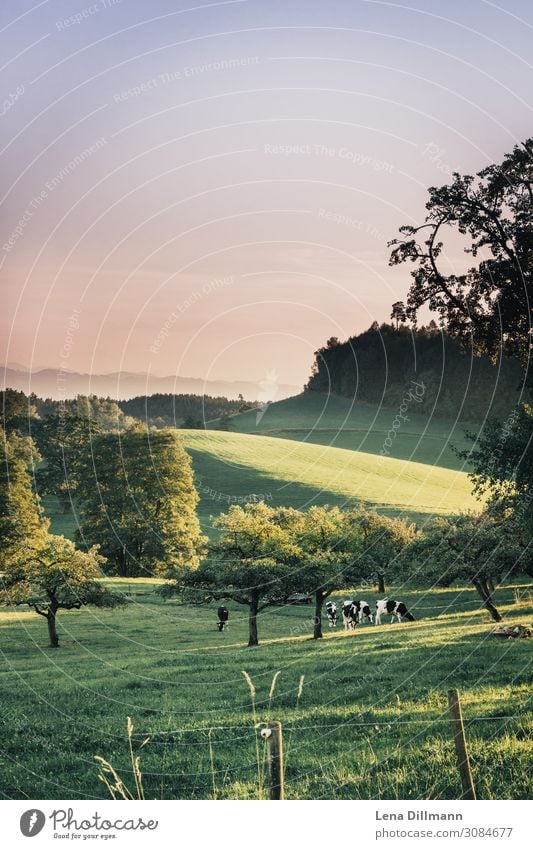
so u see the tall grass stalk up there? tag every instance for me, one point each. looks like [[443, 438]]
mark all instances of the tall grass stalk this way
[[300, 690], [272, 690], [112, 780], [251, 688]]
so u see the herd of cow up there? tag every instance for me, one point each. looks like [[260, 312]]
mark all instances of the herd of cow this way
[[356, 612], [353, 613]]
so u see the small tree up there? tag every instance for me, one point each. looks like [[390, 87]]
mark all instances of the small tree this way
[[474, 548], [253, 563], [17, 411], [56, 577], [328, 557], [398, 314], [502, 466], [381, 540]]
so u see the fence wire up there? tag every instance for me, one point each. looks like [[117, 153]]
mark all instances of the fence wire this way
[[389, 724]]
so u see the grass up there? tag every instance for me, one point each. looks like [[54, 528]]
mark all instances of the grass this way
[[230, 467], [315, 449], [331, 420], [370, 721]]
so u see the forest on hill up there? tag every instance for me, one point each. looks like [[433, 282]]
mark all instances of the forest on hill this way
[[191, 411], [378, 365], [161, 410]]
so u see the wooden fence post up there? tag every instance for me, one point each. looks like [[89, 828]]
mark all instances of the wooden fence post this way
[[274, 741], [463, 763]]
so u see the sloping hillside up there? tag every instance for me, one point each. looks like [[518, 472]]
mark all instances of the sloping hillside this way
[[232, 468], [332, 420]]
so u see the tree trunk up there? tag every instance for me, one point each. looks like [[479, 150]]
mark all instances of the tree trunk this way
[[253, 639], [52, 632], [490, 585], [484, 592], [319, 601], [381, 582]]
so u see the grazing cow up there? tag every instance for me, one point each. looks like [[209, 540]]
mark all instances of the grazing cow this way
[[331, 610], [349, 616], [393, 608], [223, 616], [353, 613]]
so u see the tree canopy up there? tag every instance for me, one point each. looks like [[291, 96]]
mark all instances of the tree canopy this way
[[376, 367], [327, 560], [380, 539], [22, 524], [254, 561], [477, 548], [502, 465], [489, 305], [265, 554], [138, 501], [63, 438], [56, 576]]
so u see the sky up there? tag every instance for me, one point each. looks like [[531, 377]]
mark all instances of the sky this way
[[208, 188]]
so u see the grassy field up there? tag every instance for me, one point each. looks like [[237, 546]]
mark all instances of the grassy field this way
[[331, 420], [371, 721], [315, 449], [229, 467]]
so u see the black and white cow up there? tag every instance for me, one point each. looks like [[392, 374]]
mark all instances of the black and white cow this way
[[223, 616], [331, 610], [354, 612], [393, 608]]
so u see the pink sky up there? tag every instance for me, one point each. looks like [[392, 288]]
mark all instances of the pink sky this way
[[211, 193]]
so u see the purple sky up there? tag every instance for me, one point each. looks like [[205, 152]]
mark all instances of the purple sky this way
[[209, 192]]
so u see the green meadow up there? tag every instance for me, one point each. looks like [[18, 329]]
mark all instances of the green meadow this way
[[231, 467], [371, 720], [318, 449], [331, 420]]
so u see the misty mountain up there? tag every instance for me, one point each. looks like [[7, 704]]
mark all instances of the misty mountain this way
[[52, 383]]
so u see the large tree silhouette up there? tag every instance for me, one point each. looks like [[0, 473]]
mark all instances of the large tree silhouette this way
[[490, 304]]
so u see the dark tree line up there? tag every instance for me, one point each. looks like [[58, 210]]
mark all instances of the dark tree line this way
[[190, 411], [159, 410], [377, 365]]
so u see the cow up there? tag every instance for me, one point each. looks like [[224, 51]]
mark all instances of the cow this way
[[223, 616], [353, 613], [393, 608], [331, 610]]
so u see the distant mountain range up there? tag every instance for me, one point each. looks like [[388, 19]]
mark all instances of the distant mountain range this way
[[51, 383]]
